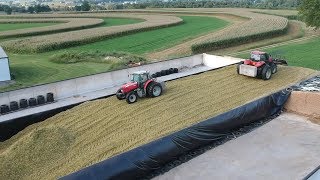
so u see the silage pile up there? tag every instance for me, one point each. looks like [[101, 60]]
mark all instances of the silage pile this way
[[100, 129]]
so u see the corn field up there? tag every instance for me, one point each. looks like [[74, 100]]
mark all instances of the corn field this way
[[260, 26], [67, 24], [66, 39], [97, 130]]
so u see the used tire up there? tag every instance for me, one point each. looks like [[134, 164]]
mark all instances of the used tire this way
[[171, 70], [41, 99], [131, 97], [158, 74], [154, 89], [50, 97], [153, 75], [120, 95], [23, 103], [175, 70], [163, 72], [32, 102], [266, 72], [274, 68], [4, 109], [167, 72], [14, 106]]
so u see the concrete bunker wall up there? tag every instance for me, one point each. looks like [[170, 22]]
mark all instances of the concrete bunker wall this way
[[77, 86]]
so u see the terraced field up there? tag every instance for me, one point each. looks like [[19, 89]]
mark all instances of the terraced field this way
[[8, 27], [100, 129]]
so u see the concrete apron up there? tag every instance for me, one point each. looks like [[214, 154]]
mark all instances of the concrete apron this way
[[76, 94], [284, 148]]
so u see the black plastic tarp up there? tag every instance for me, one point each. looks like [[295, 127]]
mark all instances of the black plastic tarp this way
[[140, 161]]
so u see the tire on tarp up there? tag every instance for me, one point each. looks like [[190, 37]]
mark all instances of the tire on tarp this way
[[139, 162]]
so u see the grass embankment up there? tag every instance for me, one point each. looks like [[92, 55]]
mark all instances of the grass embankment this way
[[37, 68], [97, 130], [14, 26], [303, 54]]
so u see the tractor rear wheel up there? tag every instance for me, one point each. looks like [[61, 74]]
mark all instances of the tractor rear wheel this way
[[131, 97], [266, 72], [154, 89], [120, 95], [274, 68]]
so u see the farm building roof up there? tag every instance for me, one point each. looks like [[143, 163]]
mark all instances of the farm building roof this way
[[2, 53]]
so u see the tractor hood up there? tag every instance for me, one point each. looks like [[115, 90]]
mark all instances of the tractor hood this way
[[129, 87]]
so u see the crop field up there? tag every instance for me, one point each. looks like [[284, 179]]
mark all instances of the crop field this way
[[303, 54], [68, 39], [30, 69], [97, 130], [13, 26]]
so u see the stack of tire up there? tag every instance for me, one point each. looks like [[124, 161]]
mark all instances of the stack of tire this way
[[165, 72], [25, 103]]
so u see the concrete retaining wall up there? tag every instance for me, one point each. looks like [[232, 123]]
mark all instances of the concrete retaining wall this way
[[81, 85], [305, 103]]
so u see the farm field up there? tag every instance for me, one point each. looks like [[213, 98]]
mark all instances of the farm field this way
[[97, 130], [119, 21], [31, 69], [303, 54], [13, 26]]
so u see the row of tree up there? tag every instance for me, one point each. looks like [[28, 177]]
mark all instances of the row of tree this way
[[31, 9]]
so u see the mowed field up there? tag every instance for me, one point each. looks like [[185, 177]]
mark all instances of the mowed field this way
[[97, 130], [13, 26], [31, 69], [304, 53]]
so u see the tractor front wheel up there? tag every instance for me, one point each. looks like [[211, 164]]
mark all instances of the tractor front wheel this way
[[120, 95], [131, 97], [274, 68], [266, 72], [154, 89]]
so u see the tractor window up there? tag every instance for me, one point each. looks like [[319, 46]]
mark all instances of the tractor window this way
[[135, 78], [262, 57], [144, 77]]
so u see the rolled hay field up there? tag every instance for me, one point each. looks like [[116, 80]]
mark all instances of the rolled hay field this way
[[67, 39], [66, 24], [100, 129]]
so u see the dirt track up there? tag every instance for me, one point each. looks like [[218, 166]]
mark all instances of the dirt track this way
[[100, 129]]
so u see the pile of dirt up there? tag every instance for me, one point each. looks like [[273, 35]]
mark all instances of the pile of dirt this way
[[97, 130]]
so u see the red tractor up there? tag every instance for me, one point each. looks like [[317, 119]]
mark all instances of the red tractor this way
[[260, 65], [141, 85]]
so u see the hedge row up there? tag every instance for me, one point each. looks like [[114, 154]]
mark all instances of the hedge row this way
[[220, 44]]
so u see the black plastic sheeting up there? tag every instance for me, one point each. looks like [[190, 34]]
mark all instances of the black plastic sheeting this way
[[11, 127], [139, 162]]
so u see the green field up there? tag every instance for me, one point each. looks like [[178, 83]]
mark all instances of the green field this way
[[149, 41], [37, 69], [14, 26], [304, 54]]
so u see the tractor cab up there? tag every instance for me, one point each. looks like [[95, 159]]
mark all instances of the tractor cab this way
[[259, 56], [140, 77]]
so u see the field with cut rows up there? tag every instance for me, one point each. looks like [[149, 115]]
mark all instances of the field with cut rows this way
[[13, 26], [32, 69], [97, 130], [153, 33]]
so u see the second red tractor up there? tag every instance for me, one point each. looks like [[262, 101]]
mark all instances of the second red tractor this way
[[260, 65]]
